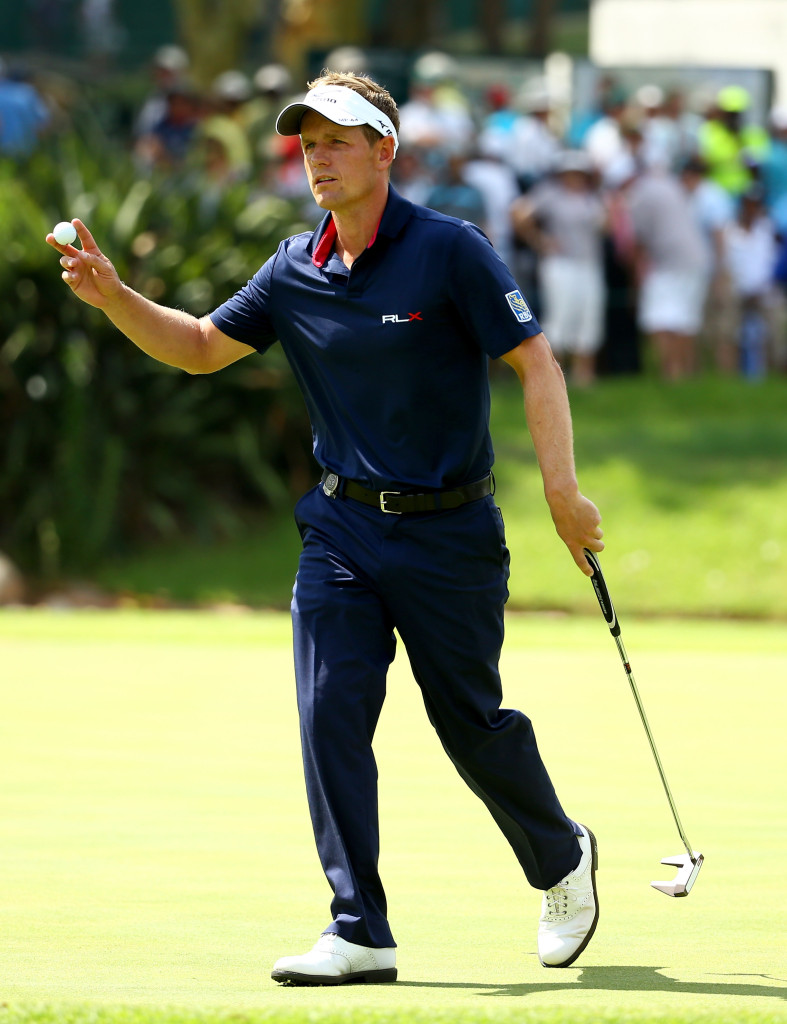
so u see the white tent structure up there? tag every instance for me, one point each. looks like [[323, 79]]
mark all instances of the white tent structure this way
[[694, 33]]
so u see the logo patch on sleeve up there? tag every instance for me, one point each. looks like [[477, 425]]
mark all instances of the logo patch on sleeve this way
[[519, 307]]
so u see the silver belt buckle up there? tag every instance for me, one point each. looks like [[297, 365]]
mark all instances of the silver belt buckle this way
[[384, 495], [331, 485]]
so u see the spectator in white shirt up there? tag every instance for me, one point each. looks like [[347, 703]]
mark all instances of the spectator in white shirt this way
[[714, 210], [563, 219], [751, 251], [671, 268]]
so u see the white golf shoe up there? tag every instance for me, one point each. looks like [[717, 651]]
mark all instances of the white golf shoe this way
[[334, 961], [569, 910]]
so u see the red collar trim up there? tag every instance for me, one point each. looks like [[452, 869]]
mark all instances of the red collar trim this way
[[324, 247], [326, 244], [373, 239]]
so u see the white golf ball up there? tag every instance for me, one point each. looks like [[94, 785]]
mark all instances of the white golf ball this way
[[65, 233]]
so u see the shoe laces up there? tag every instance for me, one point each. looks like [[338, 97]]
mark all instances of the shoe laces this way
[[557, 900]]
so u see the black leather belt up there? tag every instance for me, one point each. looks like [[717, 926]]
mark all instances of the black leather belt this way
[[401, 502]]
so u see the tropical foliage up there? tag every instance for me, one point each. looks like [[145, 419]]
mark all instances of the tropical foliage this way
[[101, 447]]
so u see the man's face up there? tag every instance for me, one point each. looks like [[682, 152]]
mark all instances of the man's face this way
[[342, 167]]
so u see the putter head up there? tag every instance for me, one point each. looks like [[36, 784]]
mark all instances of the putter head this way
[[688, 869]]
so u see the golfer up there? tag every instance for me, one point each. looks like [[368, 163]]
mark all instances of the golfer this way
[[388, 313]]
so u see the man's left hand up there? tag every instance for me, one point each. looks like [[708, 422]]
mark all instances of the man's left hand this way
[[578, 524]]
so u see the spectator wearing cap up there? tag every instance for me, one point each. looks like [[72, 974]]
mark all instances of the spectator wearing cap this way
[[498, 185], [518, 131], [23, 114], [773, 172], [272, 85], [499, 115], [730, 146], [587, 110], [535, 143], [751, 252], [604, 141], [169, 142], [563, 219], [224, 130], [684, 125], [496, 131], [670, 267], [663, 137], [168, 69], [714, 209], [436, 117]]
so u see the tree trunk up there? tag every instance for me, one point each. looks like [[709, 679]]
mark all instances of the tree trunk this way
[[491, 15], [271, 27], [541, 29], [411, 24], [214, 32]]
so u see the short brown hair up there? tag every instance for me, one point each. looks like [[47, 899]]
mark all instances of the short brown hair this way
[[369, 89]]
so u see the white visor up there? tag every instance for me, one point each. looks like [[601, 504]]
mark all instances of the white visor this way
[[339, 104]]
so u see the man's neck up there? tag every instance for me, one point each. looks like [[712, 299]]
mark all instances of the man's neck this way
[[356, 229]]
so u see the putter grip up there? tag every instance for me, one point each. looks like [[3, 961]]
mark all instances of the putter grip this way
[[604, 600]]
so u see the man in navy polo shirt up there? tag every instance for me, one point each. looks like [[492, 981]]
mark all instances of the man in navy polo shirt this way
[[388, 314]]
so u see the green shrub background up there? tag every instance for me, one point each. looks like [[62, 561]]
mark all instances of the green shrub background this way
[[103, 448]]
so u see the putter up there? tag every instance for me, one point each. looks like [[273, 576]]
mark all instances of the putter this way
[[688, 864]]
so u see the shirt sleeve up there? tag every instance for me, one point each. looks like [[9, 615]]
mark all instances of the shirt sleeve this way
[[245, 317], [486, 295]]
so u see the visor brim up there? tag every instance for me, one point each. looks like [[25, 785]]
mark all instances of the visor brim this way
[[289, 120]]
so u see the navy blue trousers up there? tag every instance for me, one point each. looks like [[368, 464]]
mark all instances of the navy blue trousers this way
[[441, 580]]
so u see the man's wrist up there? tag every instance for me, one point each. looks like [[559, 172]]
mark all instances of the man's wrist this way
[[118, 303], [563, 492]]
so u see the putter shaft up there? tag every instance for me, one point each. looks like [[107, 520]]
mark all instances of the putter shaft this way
[[651, 741], [608, 610]]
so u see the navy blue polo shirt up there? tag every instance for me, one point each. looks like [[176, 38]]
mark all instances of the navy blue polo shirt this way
[[391, 354]]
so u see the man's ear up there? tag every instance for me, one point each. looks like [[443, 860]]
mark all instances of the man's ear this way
[[386, 153]]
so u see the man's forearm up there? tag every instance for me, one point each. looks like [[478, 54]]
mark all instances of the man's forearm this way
[[549, 422], [576, 519], [169, 335]]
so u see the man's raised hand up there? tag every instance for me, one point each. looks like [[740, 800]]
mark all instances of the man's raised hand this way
[[87, 271]]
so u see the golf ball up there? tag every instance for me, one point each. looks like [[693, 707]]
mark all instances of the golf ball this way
[[65, 233]]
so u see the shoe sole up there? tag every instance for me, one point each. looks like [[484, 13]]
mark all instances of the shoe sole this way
[[356, 977], [591, 930]]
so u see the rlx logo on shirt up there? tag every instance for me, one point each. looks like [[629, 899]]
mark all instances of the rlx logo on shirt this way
[[394, 318]]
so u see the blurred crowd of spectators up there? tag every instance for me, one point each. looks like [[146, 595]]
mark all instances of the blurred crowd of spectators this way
[[641, 231]]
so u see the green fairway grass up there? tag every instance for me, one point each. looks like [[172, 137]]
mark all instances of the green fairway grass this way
[[156, 855], [690, 480]]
